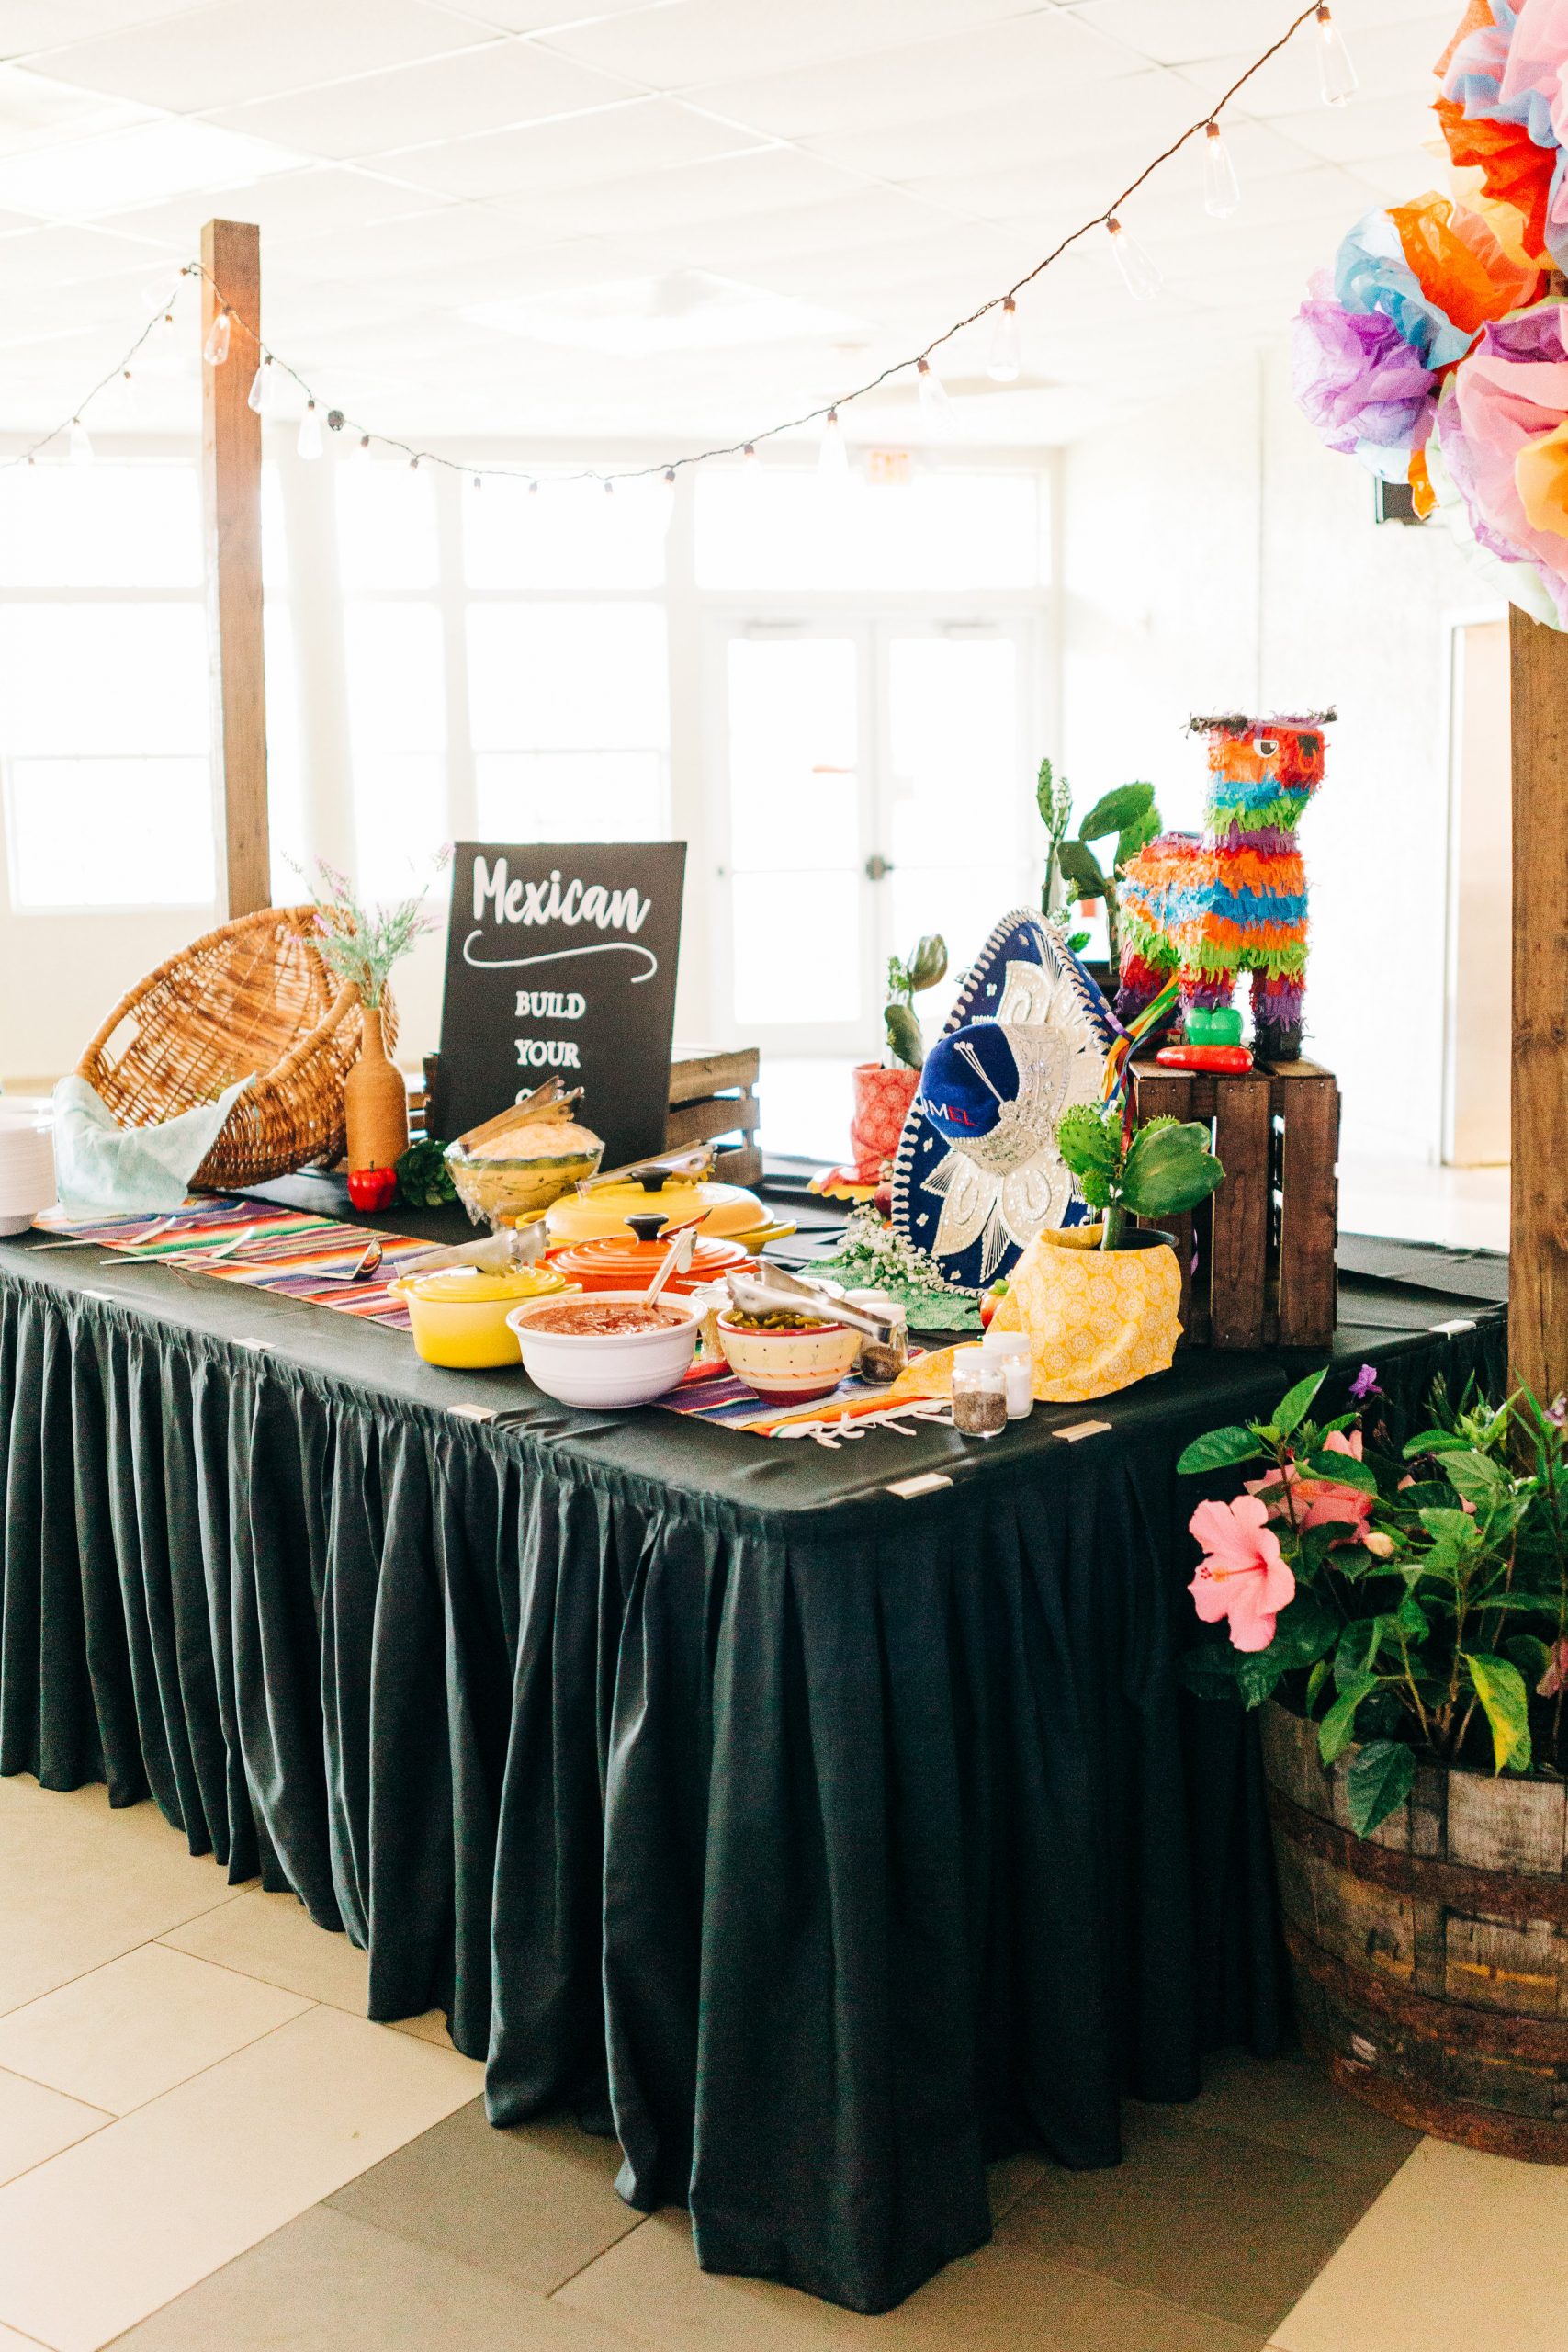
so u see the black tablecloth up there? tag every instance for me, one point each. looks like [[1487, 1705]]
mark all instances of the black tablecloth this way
[[821, 1842]]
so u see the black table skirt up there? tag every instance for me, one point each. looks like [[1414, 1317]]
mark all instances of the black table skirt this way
[[821, 1850]]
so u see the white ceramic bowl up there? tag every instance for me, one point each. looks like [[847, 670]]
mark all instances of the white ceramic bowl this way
[[604, 1370], [26, 1167]]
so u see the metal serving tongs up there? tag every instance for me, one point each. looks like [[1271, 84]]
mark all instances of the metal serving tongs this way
[[665, 1167], [773, 1292]]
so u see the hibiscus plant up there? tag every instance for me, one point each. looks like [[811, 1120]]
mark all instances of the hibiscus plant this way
[[1412, 1599]]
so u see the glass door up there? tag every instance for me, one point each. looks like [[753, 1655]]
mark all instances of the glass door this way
[[874, 782]]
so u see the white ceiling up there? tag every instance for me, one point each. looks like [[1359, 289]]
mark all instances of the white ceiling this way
[[450, 196]]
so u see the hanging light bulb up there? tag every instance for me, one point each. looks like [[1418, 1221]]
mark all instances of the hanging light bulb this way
[[215, 350], [311, 444], [477, 482], [1222, 189], [1336, 74], [259, 397], [1006, 356], [663, 494], [166, 328], [81, 446], [160, 293], [935, 406], [414, 464], [361, 450], [1142, 280], [750, 463], [833, 456]]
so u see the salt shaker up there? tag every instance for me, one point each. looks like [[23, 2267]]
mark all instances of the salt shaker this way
[[1013, 1351], [979, 1394], [883, 1360]]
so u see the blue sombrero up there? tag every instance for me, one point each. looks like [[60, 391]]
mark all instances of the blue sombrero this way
[[977, 1173]]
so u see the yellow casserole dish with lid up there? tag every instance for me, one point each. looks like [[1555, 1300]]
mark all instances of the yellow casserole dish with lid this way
[[459, 1312], [729, 1213]]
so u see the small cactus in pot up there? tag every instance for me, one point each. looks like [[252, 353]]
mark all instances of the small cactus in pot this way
[[906, 978]]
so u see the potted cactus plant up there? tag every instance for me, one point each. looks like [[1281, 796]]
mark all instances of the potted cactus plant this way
[[883, 1090]]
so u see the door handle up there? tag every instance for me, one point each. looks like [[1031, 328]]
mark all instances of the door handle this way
[[878, 867]]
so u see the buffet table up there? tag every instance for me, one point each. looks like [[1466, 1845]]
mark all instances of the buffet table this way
[[823, 1823]]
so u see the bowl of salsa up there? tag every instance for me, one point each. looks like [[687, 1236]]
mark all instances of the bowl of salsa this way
[[606, 1349]]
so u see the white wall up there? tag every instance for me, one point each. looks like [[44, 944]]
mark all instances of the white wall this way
[[1215, 556]]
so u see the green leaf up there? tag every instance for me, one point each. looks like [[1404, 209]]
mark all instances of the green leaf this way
[[1218, 1450], [1337, 1728], [928, 962], [1344, 1469], [1531, 1655], [1258, 1674], [1500, 1687], [1431, 1441], [1475, 1478], [1315, 1681], [1079, 865], [1170, 1169], [1076, 942], [1115, 811], [1378, 1782], [1133, 837], [1357, 1654], [1294, 1404], [1305, 1630], [1428, 1494]]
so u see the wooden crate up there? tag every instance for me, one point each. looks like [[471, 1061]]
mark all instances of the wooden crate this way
[[713, 1099], [1258, 1259]]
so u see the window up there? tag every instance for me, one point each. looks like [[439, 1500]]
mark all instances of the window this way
[[950, 531], [569, 710], [564, 535], [396, 720]]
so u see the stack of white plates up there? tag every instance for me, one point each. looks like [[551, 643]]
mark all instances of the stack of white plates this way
[[27, 1164]]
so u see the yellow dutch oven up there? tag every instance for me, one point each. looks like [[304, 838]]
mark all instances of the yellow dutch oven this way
[[459, 1312], [729, 1213]]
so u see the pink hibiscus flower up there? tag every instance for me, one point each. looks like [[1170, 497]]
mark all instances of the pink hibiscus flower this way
[[1242, 1575], [1314, 1501]]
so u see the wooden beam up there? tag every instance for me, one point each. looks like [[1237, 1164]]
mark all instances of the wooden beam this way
[[1538, 1248], [230, 481]]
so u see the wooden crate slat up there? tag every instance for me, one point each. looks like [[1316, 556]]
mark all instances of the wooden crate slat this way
[[718, 1115], [1309, 1210], [1167, 1094], [1237, 1302], [697, 1070], [741, 1166]]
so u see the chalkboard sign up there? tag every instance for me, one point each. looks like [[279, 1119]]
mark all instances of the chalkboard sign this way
[[560, 959]]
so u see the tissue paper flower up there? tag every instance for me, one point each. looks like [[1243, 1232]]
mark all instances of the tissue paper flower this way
[[1459, 263], [1511, 396], [1371, 277], [1242, 1575], [1514, 170], [1359, 384]]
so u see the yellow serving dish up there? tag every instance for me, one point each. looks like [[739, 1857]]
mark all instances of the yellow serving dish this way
[[728, 1212], [459, 1312]]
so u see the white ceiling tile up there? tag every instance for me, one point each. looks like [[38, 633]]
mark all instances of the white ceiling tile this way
[[38, 111], [731, 187], [445, 236], [1150, 109], [1045, 60], [29, 25], [1373, 126], [88, 179], [534, 15], [237, 50], [868, 216], [708, 41], [1380, 179], [640, 135], [317, 201], [447, 98], [59, 256], [1390, 60], [1173, 32]]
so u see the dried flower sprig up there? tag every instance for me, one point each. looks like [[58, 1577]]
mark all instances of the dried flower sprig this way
[[361, 944]]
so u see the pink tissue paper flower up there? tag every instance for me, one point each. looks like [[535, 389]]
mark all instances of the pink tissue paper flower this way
[[1242, 1575]]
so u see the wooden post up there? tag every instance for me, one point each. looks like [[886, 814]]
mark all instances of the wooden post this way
[[1538, 1244], [230, 481]]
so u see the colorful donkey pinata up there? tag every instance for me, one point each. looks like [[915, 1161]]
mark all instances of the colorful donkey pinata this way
[[1232, 898]]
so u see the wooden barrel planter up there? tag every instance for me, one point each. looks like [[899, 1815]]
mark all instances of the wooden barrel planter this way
[[1430, 1961]]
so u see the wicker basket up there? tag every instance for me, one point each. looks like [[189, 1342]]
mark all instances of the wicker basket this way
[[251, 998]]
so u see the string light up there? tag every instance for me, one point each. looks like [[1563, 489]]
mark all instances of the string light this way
[[1142, 280], [1336, 74], [1338, 83], [1006, 356], [833, 456], [1222, 189], [311, 445], [362, 449], [935, 406], [80, 444], [259, 397]]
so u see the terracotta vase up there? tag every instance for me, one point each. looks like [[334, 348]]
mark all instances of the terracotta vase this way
[[376, 1102], [883, 1096]]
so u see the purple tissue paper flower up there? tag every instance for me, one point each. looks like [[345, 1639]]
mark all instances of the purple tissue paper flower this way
[[1357, 381], [1365, 1385]]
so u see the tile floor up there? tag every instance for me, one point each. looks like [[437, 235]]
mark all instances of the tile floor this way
[[205, 2147]]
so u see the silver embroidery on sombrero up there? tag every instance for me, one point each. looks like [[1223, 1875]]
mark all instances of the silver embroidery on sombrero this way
[[1002, 1187]]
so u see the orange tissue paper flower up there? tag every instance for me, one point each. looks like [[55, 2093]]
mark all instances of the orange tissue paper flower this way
[[1513, 168], [1459, 263], [1423, 496]]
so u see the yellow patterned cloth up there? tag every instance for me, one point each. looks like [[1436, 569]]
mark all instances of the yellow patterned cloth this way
[[1096, 1319]]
